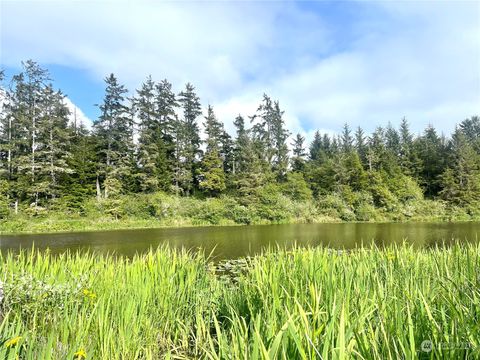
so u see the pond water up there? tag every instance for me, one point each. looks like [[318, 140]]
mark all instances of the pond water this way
[[228, 242]]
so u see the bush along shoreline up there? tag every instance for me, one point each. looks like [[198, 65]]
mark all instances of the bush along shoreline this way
[[397, 302], [273, 206]]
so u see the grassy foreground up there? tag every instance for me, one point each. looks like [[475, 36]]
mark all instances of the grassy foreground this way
[[301, 304]]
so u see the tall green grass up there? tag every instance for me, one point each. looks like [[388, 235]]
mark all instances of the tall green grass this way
[[302, 304]]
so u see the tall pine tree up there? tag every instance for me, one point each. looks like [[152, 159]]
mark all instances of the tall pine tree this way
[[212, 176], [114, 132], [188, 140], [299, 153]]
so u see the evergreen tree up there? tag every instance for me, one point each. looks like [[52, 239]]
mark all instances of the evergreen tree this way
[[26, 107], [80, 183], [346, 139], [12, 133], [431, 151], [271, 136], [392, 140], [299, 153], [144, 104], [471, 128], [329, 146], [361, 145], [212, 176], [166, 104], [406, 137], [321, 177], [114, 132], [248, 175], [242, 142], [461, 181], [392, 151], [53, 145], [349, 171], [408, 157], [315, 147], [376, 150], [281, 134], [227, 155], [154, 107], [250, 180], [188, 140], [262, 130], [333, 146]]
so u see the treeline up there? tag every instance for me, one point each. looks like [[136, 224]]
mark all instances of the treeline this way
[[151, 142]]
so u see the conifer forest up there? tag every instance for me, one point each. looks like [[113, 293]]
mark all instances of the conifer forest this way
[[163, 142]]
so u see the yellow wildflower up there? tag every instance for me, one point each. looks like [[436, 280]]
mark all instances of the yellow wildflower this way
[[13, 341], [80, 354], [89, 294], [391, 256]]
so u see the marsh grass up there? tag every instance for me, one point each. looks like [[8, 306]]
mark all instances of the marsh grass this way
[[302, 304]]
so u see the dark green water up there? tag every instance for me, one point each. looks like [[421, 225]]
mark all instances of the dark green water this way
[[236, 241]]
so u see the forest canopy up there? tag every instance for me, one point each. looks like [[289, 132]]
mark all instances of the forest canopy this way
[[151, 143]]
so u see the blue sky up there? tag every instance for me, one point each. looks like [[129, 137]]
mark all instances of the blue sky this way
[[365, 63]]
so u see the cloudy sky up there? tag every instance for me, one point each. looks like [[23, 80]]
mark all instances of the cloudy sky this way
[[365, 63]]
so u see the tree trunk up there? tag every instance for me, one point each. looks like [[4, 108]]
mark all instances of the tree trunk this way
[[33, 150], [9, 156], [99, 192], [34, 135], [75, 120], [52, 168]]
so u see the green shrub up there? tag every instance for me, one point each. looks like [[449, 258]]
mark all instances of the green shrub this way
[[404, 188], [381, 194], [334, 206], [240, 214], [457, 213], [429, 209], [71, 204], [364, 208], [139, 206], [348, 195], [113, 208], [305, 211], [473, 209], [211, 211], [296, 188], [36, 211], [4, 207], [272, 205]]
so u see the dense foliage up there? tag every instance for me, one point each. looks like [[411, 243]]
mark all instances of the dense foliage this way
[[396, 303], [151, 143]]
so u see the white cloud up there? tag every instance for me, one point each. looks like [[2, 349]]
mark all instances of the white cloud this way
[[76, 114], [429, 73], [417, 59]]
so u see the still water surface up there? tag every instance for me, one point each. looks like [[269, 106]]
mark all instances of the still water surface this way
[[229, 242]]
